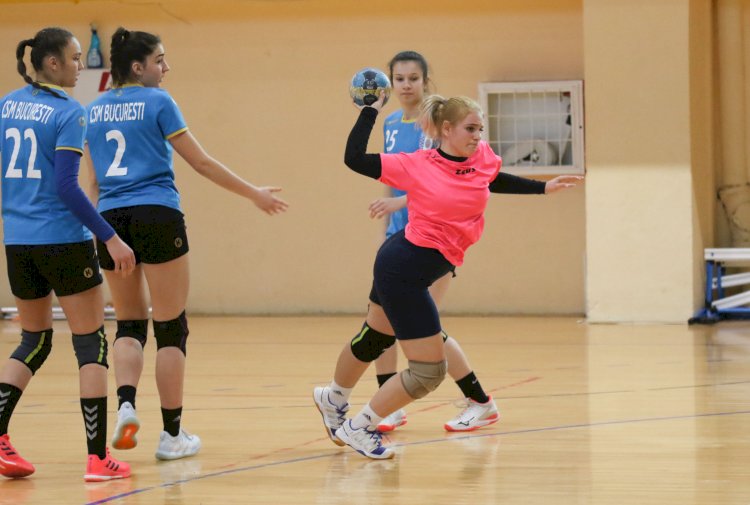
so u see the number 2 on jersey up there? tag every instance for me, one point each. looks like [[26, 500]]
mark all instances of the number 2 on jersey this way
[[115, 170]]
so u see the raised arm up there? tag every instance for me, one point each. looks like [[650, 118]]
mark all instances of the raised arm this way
[[356, 156]]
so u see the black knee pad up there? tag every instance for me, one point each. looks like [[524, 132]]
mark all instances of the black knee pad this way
[[172, 333], [34, 348], [136, 328], [369, 344], [91, 348]]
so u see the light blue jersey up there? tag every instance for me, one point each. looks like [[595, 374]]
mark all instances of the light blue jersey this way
[[128, 136], [400, 137], [33, 125]]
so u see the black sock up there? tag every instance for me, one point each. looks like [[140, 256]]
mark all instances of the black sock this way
[[171, 419], [95, 418], [125, 394], [9, 396], [471, 388], [383, 378]]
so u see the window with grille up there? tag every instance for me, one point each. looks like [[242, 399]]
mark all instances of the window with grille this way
[[537, 127]]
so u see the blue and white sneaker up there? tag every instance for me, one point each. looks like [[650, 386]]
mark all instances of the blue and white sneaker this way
[[333, 415], [367, 443]]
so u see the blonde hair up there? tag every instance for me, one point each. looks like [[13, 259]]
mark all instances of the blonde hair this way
[[436, 109]]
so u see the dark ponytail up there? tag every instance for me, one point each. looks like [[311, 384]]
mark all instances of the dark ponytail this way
[[49, 41], [126, 48]]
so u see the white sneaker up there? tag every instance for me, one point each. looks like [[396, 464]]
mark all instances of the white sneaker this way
[[333, 415], [367, 443], [392, 421], [181, 446], [126, 428], [474, 416]]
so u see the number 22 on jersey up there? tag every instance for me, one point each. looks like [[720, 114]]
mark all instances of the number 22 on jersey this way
[[16, 173]]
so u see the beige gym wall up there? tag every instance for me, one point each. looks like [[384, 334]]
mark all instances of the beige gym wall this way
[[649, 157], [263, 86]]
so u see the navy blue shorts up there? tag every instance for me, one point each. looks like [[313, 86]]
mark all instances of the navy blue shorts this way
[[402, 274]]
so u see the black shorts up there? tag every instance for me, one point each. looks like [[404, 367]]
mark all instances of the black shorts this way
[[156, 234], [35, 270], [402, 274]]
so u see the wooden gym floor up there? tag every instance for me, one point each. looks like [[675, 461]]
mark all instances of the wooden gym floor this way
[[590, 414]]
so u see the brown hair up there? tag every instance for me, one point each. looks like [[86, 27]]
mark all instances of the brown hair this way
[[48, 41]]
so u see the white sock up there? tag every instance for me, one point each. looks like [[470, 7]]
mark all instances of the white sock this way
[[339, 395], [367, 418]]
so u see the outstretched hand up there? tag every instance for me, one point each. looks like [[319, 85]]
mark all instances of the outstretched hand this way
[[562, 182], [266, 201]]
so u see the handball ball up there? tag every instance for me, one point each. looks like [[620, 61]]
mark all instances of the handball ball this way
[[367, 84]]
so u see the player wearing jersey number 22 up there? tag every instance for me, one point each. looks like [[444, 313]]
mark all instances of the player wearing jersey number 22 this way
[[48, 248]]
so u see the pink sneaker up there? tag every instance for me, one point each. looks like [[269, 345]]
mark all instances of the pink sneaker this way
[[12, 465], [98, 470]]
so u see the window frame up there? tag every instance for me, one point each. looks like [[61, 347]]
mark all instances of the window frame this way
[[573, 88]]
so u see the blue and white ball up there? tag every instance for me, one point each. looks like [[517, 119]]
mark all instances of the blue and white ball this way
[[367, 84]]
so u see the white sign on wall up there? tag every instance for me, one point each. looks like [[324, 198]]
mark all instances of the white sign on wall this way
[[91, 83]]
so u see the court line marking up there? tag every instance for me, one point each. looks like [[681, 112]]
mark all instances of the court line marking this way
[[228, 471], [422, 442]]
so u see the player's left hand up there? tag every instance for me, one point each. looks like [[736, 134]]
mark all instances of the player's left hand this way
[[266, 201], [562, 182]]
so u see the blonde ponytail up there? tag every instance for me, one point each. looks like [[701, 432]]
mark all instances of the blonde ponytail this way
[[435, 110]]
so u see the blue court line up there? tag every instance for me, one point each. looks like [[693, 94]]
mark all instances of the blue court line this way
[[445, 439]]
